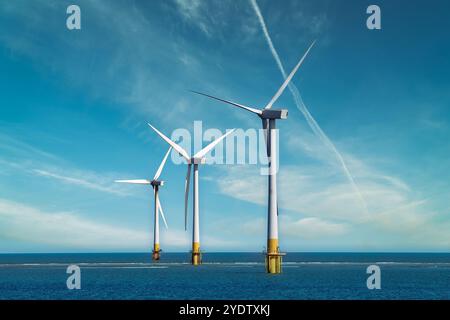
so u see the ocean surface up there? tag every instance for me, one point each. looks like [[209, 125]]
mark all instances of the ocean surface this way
[[225, 276]]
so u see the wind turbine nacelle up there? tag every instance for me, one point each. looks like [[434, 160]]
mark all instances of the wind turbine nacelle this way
[[157, 183], [274, 114], [198, 160]]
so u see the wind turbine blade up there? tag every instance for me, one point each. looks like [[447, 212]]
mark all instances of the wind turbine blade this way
[[161, 212], [257, 111], [179, 149], [288, 79], [161, 166], [210, 146], [186, 195], [135, 181]]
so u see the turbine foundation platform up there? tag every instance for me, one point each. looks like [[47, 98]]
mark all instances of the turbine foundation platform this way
[[274, 262], [156, 253], [273, 257], [196, 254]]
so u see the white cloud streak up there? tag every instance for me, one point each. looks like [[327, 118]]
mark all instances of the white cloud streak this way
[[21, 157], [65, 230], [68, 230], [328, 209], [191, 11], [304, 228], [10, 145], [310, 228], [94, 184]]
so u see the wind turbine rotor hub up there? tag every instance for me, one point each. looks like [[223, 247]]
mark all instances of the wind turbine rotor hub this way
[[157, 183]]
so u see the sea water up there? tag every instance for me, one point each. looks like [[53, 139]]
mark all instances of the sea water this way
[[225, 276]]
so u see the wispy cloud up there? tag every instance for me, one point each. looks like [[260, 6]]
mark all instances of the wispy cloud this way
[[20, 149], [317, 188], [325, 205], [192, 11], [20, 157], [315, 24], [89, 181], [175, 238], [69, 230], [310, 228], [306, 190], [25, 223], [121, 33], [304, 228]]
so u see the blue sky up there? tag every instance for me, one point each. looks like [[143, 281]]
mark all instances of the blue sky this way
[[74, 107]]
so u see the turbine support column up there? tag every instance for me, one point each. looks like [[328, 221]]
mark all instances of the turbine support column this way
[[196, 253], [273, 255], [156, 250]]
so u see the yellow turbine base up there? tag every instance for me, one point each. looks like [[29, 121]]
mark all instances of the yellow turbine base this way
[[273, 257], [156, 252], [196, 254]]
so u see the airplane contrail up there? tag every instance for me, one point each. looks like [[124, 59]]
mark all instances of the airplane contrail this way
[[304, 110]]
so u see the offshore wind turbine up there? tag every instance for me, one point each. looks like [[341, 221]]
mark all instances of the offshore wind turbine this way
[[268, 117], [196, 159], [155, 183]]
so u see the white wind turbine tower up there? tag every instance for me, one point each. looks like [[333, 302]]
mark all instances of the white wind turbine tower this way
[[155, 183], [268, 117], [196, 159]]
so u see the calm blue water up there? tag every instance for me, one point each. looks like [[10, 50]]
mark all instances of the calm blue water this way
[[225, 276]]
